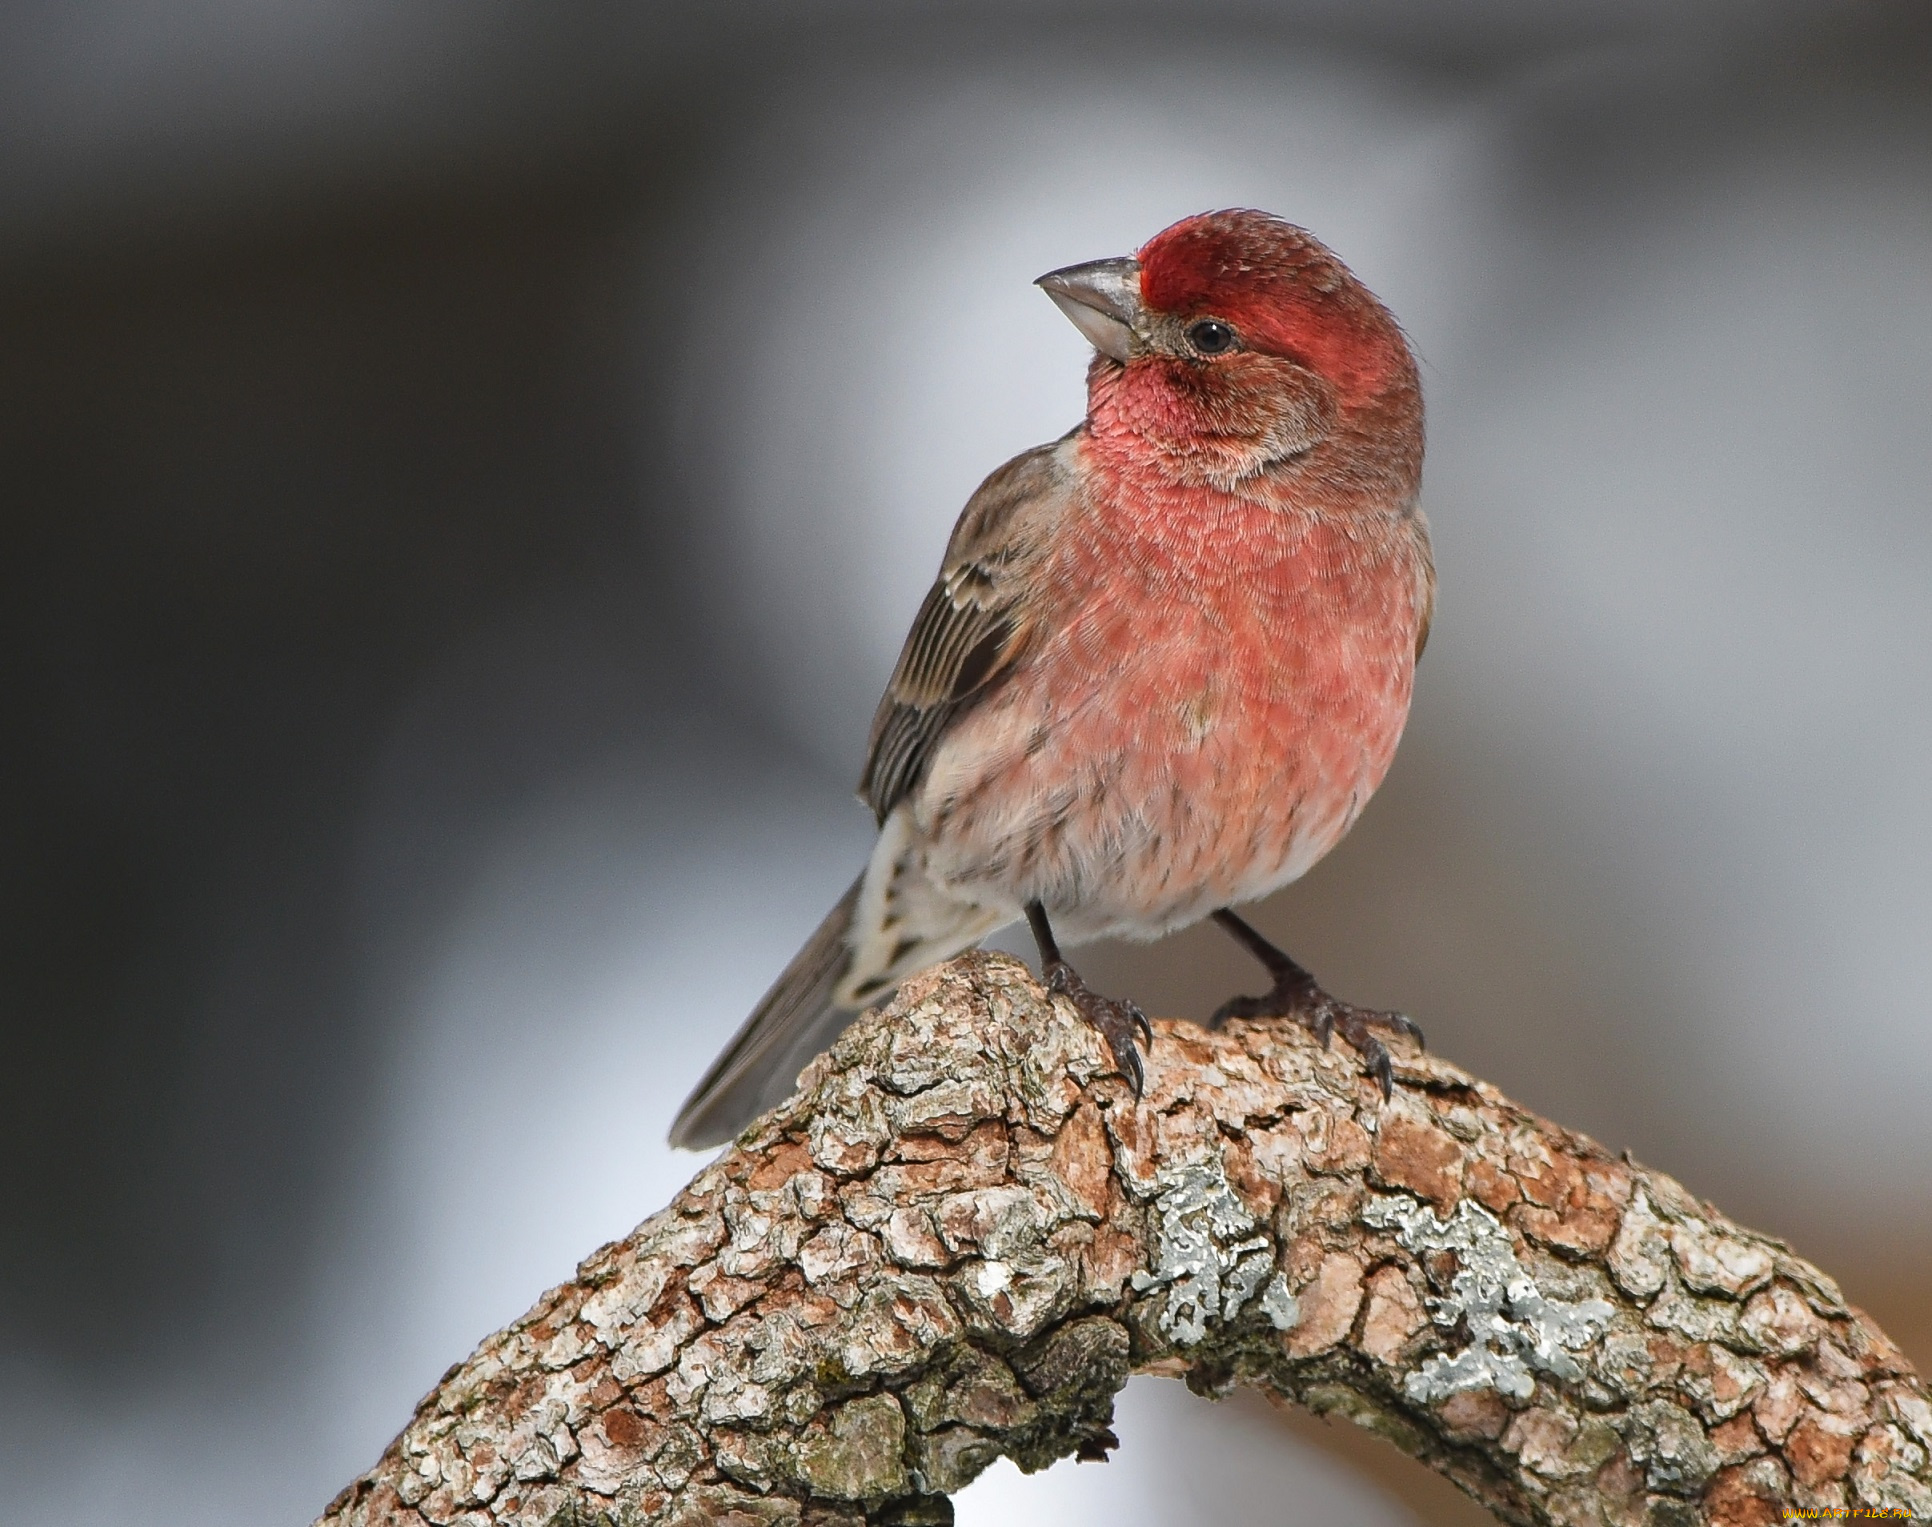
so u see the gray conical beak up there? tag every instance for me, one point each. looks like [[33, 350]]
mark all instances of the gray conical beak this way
[[1102, 297]]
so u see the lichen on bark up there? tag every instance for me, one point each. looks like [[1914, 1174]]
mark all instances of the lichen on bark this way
[[963, 1234]]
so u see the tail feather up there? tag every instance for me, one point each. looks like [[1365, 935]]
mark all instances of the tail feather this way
[[892, 923], [795, 1020]]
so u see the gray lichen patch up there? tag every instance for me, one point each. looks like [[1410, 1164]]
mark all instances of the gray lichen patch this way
[[1208, 1254], [1279, 1305], [1514, 1326]]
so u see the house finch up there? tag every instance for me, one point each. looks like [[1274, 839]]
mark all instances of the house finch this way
[[1165, 664]]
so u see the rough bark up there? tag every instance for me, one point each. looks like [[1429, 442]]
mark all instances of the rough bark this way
[[963, 1234]]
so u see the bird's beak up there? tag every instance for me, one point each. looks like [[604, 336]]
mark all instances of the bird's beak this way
[[1102, 297]]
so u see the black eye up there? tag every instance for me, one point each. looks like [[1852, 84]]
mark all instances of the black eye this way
[[1210, 337]]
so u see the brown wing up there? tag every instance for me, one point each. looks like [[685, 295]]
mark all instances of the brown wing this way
[[974, 622]]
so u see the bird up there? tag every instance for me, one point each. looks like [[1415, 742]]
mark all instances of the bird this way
[[1166, 661]]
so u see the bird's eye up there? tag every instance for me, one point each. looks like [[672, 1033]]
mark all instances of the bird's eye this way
[[1210, 337]]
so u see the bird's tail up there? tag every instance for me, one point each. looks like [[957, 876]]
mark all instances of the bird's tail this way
[[795, 1020], [894, 922]]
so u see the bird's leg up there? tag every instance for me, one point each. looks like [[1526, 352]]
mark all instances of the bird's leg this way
[[1117, 1020], [1297, 995]]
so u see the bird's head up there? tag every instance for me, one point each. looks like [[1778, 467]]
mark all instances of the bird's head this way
[[1234, 340]]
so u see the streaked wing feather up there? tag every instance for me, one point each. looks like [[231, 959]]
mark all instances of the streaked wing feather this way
[[952, 653], [970, 628]]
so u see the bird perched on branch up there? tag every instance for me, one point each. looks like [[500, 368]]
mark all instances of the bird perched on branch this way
[[1166, 662]]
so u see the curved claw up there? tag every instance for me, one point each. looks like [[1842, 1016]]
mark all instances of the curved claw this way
[[1375, 1056], [1355, 1026], [1402, 1023], [1117, 1021]]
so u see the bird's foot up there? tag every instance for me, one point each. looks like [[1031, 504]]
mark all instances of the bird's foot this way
[[1117, 1019], [1299, 998]]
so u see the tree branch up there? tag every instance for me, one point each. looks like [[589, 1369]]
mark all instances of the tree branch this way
[[963, 1235]]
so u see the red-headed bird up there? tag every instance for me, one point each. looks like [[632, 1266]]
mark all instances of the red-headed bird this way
[[1167, 659]]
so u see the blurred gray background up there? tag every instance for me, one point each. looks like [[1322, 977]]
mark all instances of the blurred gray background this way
[[466, 469]]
